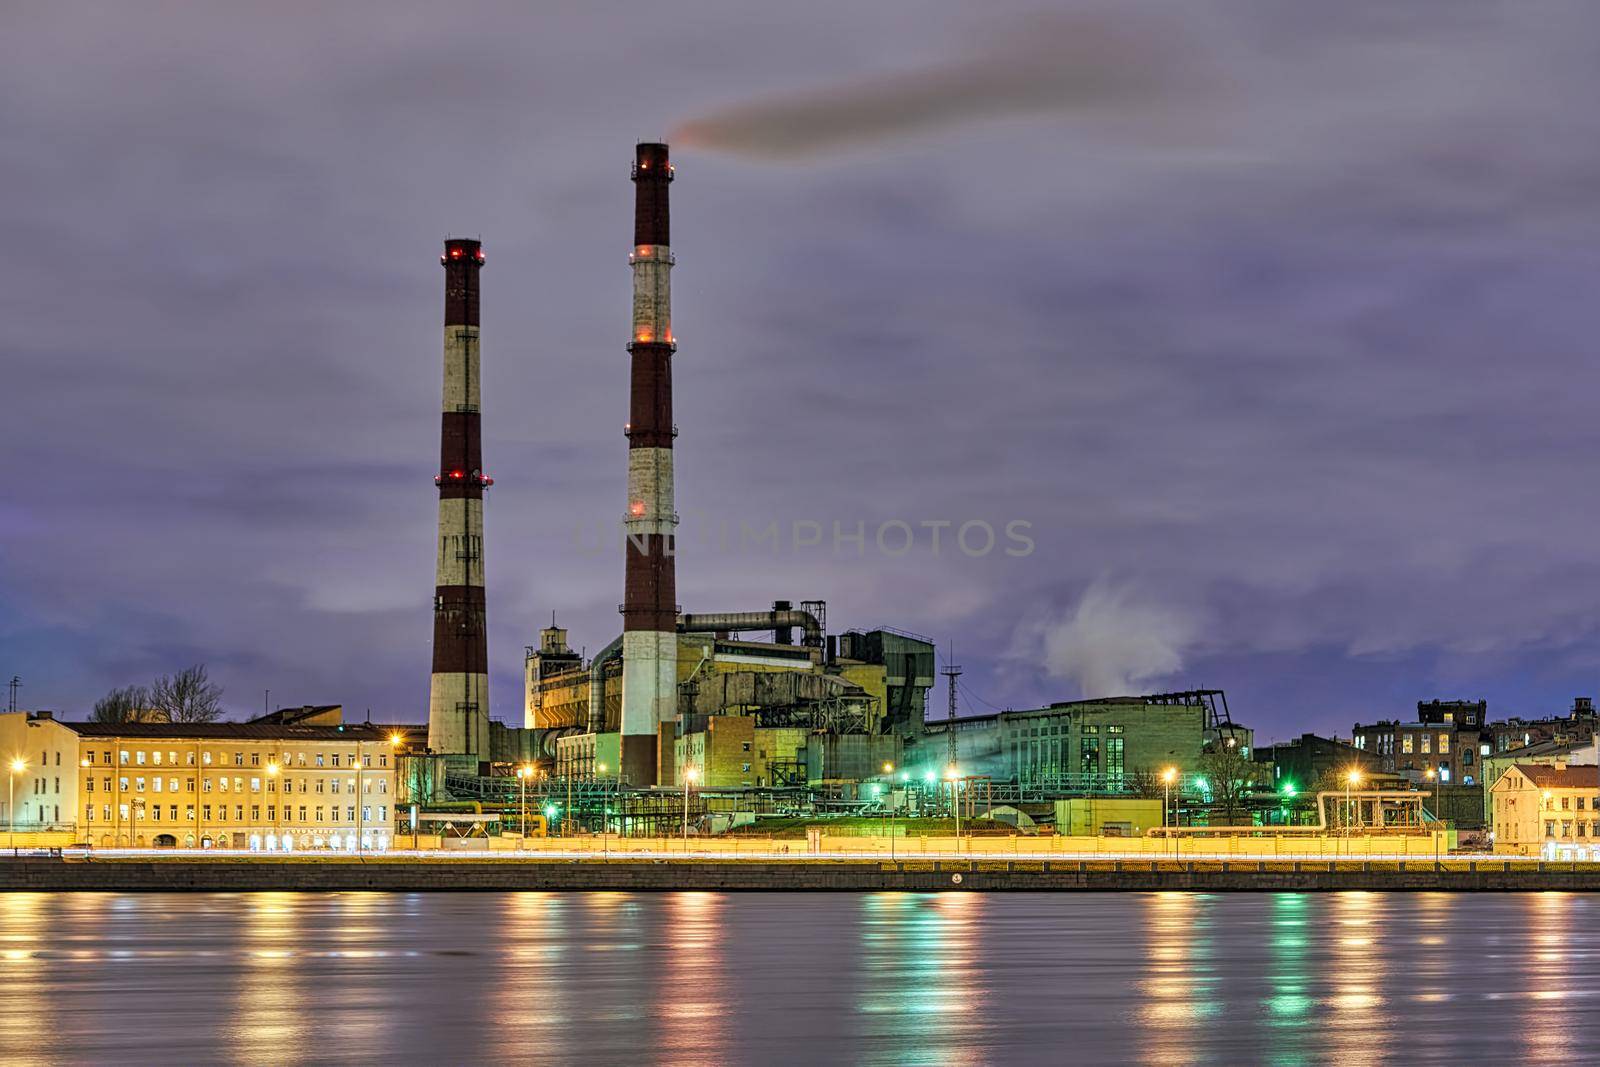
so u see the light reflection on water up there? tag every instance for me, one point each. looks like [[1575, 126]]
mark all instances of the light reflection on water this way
[[889, 978]]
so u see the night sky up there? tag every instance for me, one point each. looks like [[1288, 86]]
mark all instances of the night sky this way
[[1275, 321]]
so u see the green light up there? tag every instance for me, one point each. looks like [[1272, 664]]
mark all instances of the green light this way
[[877, 790], [550, 811], [931, 777], [1200, 783], [905, 776], [1288, 789]]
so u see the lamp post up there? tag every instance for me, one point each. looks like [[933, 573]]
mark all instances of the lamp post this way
[[361, 810], [18, 765], [1433, 778], [689, 777], [953, 775], [1352, 778], [272, 775], [524, 772], [888, 772], [88, 810], [1168, 776]]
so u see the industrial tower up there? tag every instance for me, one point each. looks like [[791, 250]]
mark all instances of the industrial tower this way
[[649, 609], [458, 701]]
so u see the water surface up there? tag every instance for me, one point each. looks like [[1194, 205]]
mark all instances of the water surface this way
[[883, 978]]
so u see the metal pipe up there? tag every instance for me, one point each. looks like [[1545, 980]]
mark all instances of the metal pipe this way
[[735, 621]]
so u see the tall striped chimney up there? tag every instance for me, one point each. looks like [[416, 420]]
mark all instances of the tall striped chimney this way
[[649, 609], [458, 702]]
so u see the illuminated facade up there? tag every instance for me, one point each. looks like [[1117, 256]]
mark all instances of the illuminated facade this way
[[1550, 811], [255, 785]]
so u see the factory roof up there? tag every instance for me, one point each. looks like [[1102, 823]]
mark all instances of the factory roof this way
[[222, 731]]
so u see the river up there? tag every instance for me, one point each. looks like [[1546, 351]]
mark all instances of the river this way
[[818, 978]]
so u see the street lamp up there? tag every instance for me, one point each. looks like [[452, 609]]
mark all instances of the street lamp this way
[[1433, 777], [953, 775], [1352, 777], [1168, 776], [524, 772], [88, 810], [690, 775], [361, 809], [272, 773], [18, 765]]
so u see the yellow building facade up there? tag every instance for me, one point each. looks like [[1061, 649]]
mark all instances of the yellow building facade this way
[[1550, 811], [265, 787]]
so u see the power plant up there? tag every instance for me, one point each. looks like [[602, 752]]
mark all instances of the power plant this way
[[727, 701]]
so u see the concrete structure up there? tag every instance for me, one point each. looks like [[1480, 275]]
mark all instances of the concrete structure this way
[[649, 608], [258, 785], [1107, 816], [733, 751], [458, 700], [1550, 811]]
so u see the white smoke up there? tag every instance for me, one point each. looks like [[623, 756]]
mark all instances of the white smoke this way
[[1112, 642]]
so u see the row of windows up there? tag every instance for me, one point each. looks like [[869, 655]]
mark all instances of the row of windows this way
[[153, 812], [138, 785], [139, 758], [1566, 829]]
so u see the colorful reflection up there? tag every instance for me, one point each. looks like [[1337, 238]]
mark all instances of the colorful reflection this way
[[1176, 996], [1288, 1012], [923, 985], [268, 1016], [693, 1000], [1357, 1016]]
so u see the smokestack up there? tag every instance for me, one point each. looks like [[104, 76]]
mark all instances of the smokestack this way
[[649, 609], [458, 702]]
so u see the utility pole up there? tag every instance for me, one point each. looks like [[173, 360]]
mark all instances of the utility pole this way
[[16, 681], [952, 671]]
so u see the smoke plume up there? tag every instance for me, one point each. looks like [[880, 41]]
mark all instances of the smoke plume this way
[[1050, 64], [1111, 643]]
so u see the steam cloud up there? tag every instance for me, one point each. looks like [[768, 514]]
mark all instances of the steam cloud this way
[[1111, 643], [1051, 64]]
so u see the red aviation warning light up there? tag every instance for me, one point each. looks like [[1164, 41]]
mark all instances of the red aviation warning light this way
[[636, 508]]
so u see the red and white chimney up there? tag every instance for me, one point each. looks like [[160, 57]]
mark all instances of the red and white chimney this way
[[458, 701], [649, 609]]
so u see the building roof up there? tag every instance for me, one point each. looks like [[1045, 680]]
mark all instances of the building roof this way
[[1543, 748], [1548, 776], [223, 731]]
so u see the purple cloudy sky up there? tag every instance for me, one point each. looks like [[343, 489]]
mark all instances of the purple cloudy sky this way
[[1274, 320]]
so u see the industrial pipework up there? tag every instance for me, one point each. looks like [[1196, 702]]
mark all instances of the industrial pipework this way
[[458, 698]]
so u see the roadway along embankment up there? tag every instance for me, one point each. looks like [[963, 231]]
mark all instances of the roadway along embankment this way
[[400, 874]]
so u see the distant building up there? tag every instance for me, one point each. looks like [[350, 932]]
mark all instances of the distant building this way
[[1444, 738], [1577, 726], [1551, 811], [1304, 761], [1080, 746]]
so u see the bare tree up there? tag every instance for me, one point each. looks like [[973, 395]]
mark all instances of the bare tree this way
[[188, 696], [122, 705], [1230, 776]]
